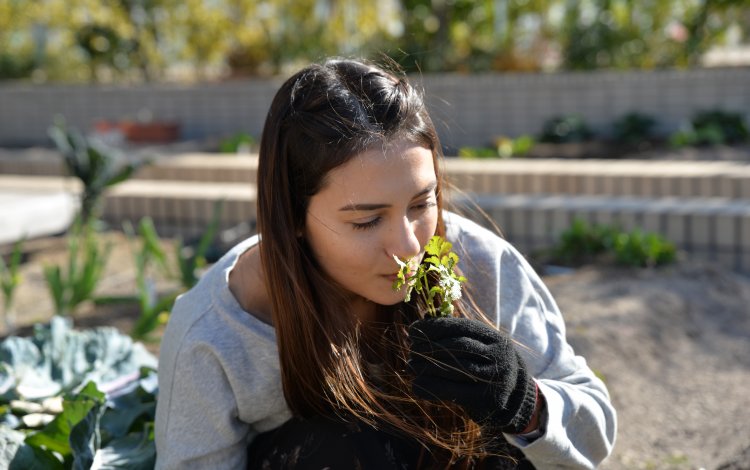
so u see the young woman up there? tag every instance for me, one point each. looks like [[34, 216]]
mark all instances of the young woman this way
[[294, 350]]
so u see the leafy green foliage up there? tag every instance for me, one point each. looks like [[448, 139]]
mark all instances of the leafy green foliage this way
[[108, 389], [434, 278], [75, 283], [154, 309], [518, 147], [97, 166], [713, 128], [9, 280], [477, 152], [504, 147], [640, 249], [583, 243], [422, 35], [236, 143], [191, 259], [15, 66], [183, 266], [633, 128], [563, 129], [58, 359]]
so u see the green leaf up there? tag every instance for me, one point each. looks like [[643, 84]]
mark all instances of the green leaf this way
[[59, 358], [56, 435], [85, 438], [131, 452], [127, 411], [434, 260], [29, 457], [152, 243]]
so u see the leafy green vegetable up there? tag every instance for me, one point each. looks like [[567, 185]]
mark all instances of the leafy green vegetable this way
[[433, 279], [58, 359], [110, 389]]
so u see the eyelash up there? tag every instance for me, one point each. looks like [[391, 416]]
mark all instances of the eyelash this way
[[372, 223]]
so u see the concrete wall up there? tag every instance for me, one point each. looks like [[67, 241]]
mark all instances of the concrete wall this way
[[468, 110]]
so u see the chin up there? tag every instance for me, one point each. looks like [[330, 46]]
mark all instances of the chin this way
[[395, 297]]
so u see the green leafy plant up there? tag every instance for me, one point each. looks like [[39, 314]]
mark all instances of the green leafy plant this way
[[97, 166], [9, 280], [76, 281], [477, 152], [504, 147], [633, 128], [69, 398], [239, 143], [564, 129], [154, 309], [433, 279], [712, 128], [640, 249], [581, 243], [584, 243], [190, 259]]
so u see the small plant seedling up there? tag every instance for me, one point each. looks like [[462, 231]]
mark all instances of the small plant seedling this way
[[444, 284]]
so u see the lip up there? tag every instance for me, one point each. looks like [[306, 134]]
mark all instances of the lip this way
[[393, 277]]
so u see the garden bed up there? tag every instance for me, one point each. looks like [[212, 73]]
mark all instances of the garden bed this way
[[672, 345]]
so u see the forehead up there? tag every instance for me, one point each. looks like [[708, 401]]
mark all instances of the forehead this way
[[396, 166]]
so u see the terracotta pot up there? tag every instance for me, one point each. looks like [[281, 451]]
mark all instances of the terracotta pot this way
[[150, 131]]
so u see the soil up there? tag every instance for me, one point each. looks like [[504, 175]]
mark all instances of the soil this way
[[672, 345]]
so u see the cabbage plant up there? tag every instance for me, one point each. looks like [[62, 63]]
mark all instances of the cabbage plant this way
[[74, 399]]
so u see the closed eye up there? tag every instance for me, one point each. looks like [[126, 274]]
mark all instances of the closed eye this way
[[366, 225], [424, 205]]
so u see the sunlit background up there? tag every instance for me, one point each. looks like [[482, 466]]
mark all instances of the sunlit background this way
[[186, 40]]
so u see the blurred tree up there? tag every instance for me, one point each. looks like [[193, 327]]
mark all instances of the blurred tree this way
[[644, 33], [130, 40], [706, 23]]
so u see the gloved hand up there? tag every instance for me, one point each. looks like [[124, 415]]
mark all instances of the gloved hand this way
[[474, 366]]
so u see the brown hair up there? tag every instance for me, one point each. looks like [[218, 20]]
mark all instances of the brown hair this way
[[320, 118]]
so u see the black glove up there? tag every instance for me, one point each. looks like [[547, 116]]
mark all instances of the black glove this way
[[474, 366]]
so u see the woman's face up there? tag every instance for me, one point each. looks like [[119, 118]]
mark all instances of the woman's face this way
[[379, 204]]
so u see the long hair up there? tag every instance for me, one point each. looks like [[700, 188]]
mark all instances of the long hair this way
[[319, 119]]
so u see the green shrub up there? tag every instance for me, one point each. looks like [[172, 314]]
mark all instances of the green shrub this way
[[15, 66], [584, 243], [235, 143], [504, 147], [75, 282], [518, 147], [712, 128], [640, 249], [97, 166], [633, 128], [565, 129], [477, 152]]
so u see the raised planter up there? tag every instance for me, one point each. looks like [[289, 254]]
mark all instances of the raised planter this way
[[133, 131]]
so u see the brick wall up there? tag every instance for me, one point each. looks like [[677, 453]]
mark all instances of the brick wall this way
[[468, 110]]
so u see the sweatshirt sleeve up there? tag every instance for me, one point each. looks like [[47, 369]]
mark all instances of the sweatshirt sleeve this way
[[581, 421], [198, 425]]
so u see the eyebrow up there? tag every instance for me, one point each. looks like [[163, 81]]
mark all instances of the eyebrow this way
[[372, 207]]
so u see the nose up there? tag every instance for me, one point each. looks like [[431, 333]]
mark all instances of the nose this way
[[403, 241]]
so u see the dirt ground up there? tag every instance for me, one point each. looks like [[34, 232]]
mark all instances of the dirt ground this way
[[673, 346]]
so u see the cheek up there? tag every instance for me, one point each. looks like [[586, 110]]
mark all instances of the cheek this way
[[427, 226], [337, 254]]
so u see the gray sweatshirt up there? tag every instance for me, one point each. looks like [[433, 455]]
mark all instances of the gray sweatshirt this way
[[220, 385]]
